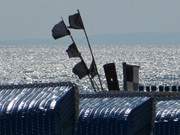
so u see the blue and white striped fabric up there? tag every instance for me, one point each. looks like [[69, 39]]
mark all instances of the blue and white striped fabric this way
[[41, 109], [115, 116], [167, 118]]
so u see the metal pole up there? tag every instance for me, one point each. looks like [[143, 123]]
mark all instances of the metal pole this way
[[91, 53], [92, 83]]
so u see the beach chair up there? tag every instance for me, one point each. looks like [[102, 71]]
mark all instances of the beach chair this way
[[38, 109], [115, 114], [167, 120]]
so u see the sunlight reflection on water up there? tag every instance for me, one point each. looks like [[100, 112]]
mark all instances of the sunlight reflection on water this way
[[159, 64]]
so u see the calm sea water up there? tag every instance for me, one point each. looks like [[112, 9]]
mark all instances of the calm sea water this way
[[159, 64]]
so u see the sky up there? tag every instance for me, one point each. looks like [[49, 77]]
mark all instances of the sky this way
[[25, 19]]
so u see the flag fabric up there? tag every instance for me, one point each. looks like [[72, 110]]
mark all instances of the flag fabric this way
[[60, 30], [72, 51], [75, 21], [131, 77], [80, 70], [93, 70]]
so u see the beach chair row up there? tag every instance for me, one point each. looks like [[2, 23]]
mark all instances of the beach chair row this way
[[58, 109], [160, 88], [165, 117]]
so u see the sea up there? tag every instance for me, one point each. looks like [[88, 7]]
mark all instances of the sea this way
[[19, 64]]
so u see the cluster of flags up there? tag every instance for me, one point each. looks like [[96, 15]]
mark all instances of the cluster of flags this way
[[130, 72], [60, 30]]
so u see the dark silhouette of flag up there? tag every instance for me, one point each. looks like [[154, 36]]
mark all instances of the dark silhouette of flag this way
[[92, 70], [75, 21], [60, 30], [80, 70], [72, 51]]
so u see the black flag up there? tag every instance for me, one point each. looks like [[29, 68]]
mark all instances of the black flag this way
[[93, 70], [60, 30], [72, 51], [75, 21], [80, 70]]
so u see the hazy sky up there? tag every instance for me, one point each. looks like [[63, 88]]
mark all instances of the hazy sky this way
[[34, 18]]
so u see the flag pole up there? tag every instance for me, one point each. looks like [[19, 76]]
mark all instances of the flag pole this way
[[91, 53], [92, 83]]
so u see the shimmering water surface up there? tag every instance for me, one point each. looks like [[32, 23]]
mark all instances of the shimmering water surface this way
[[159, 64]]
